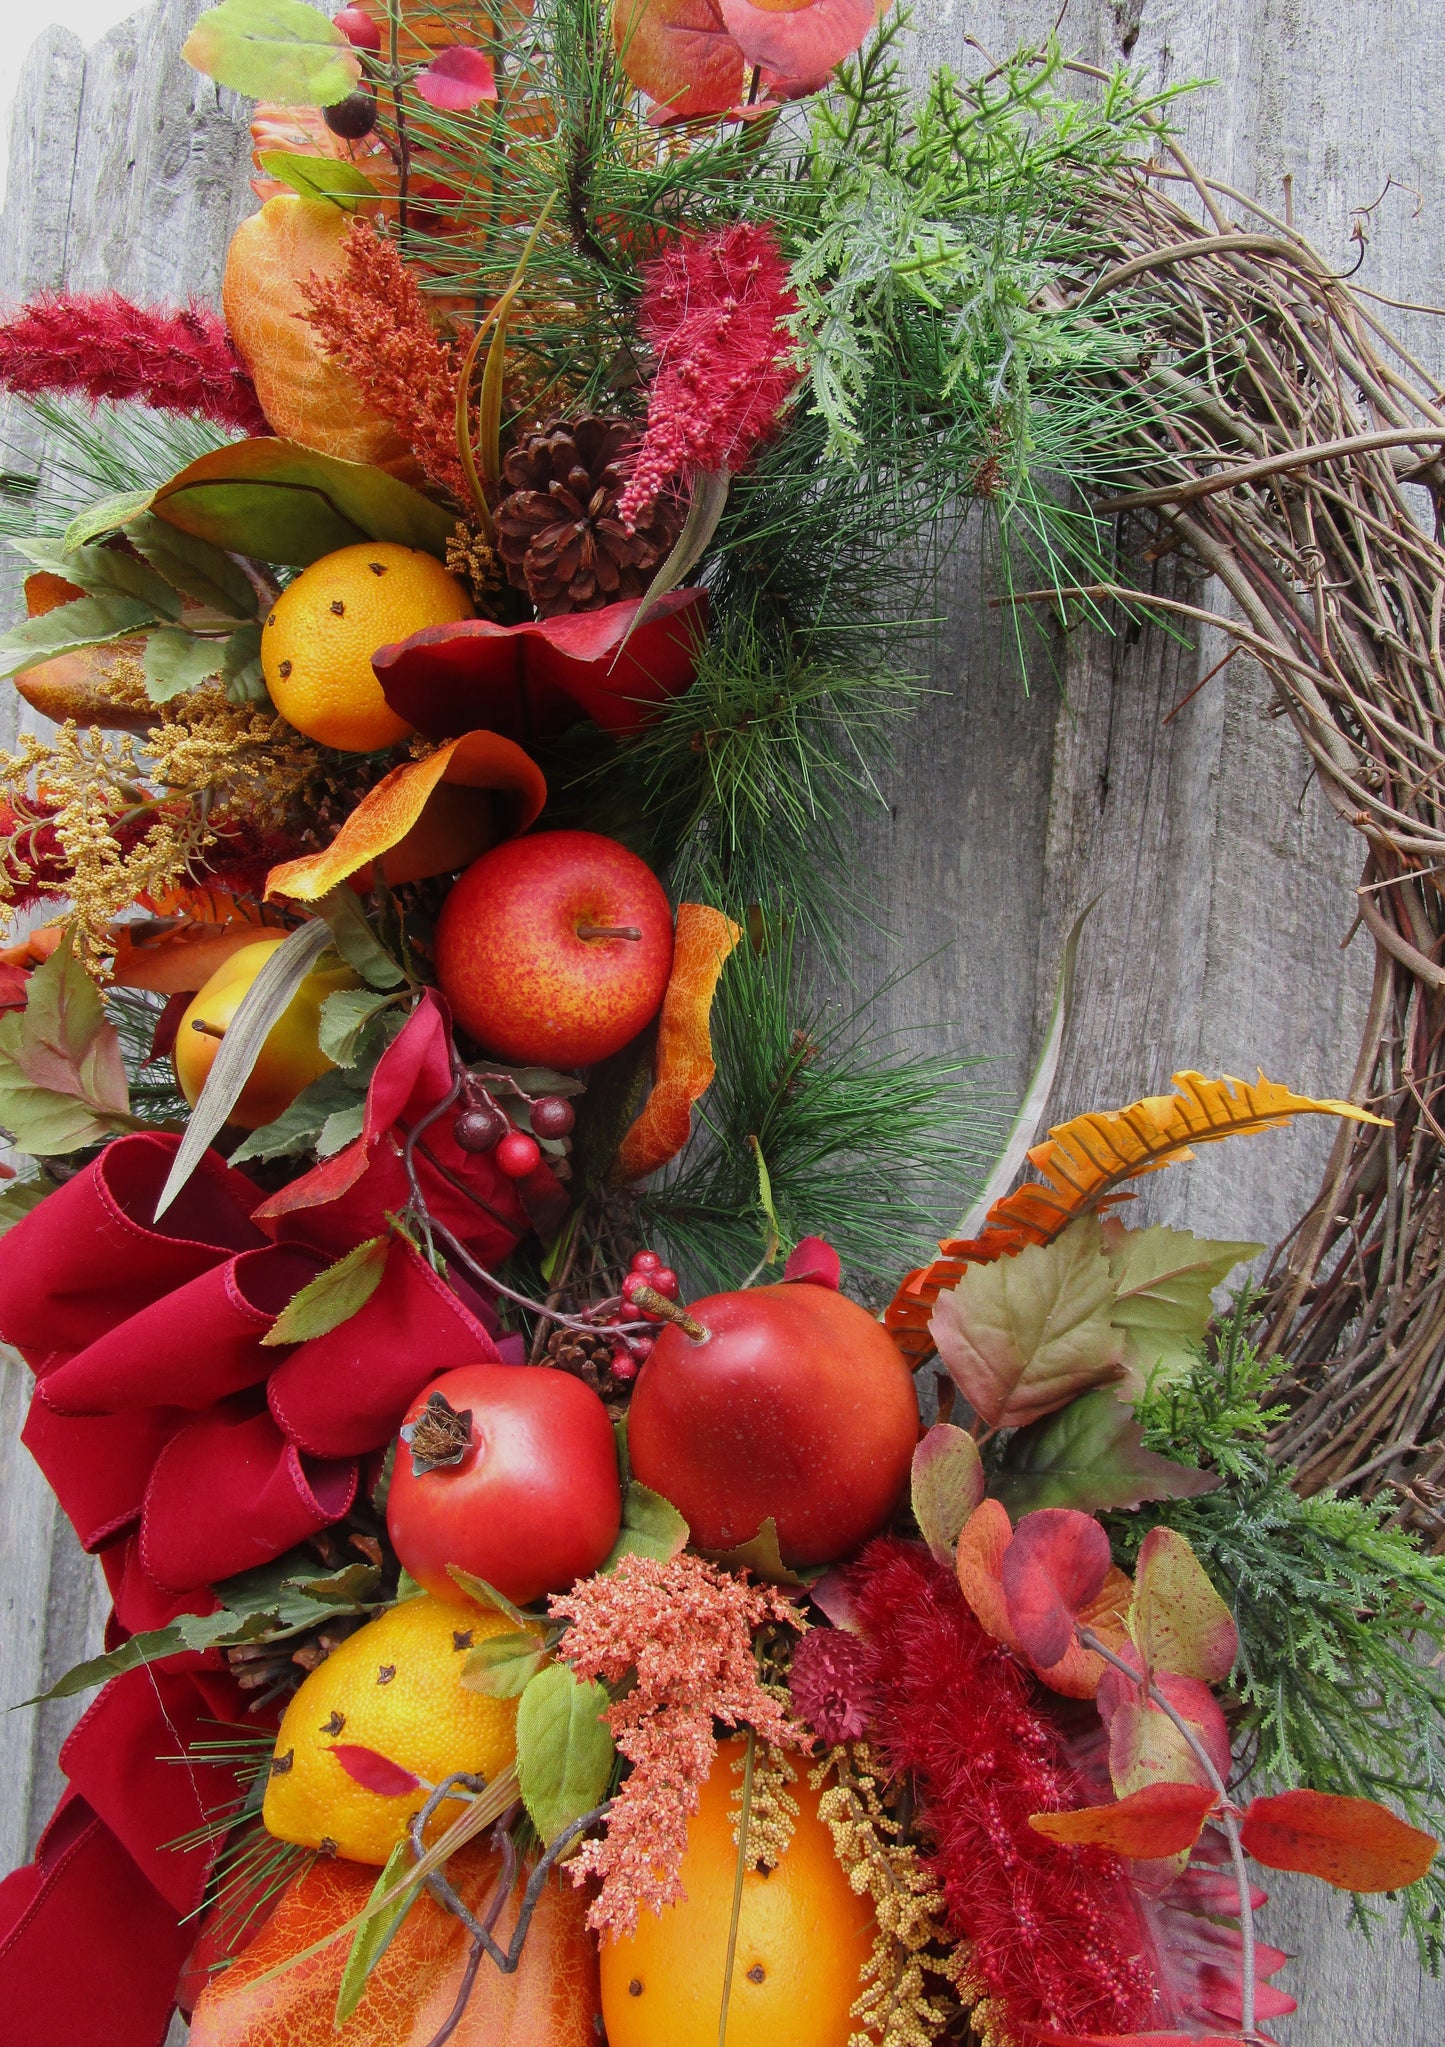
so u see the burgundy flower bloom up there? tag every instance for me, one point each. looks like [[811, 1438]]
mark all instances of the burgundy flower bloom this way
[[834, 1684]]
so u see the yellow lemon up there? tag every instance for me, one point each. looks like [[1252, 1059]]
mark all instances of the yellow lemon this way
[[395, 1687], [320, 635]]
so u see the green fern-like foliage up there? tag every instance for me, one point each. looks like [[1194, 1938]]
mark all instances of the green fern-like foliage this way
[[1341, 1614]]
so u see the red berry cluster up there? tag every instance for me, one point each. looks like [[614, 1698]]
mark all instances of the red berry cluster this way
[[484, 1126], [631, 1352]]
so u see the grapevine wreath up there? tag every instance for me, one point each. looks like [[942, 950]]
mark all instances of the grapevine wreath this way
[[540, 1613]]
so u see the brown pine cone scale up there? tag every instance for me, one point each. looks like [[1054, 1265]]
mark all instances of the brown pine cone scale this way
[[558, 533]]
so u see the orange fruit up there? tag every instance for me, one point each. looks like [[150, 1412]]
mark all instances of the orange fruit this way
[[803, 1937], [395, 1687], [291, 1057], [320, 635]]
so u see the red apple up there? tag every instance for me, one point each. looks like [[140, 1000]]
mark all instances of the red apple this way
[[797, 1406], [525, 1493], [528, 951]]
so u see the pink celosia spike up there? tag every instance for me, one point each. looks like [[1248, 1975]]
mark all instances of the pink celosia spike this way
[[107, 347]]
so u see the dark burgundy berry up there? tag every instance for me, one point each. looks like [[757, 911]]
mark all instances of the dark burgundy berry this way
[[646, 1261], [517, 1155], [480, 1129], [552, 1116], [352, 117]]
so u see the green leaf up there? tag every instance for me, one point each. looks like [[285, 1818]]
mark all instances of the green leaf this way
[[1177, 1619], [351, 1586], [373, 1937], [106, 515], [104, 572], [355, 940], [192, 1631], [651, 1527], [1090, 1456], [21, 1196], [1164, 1279], [261, 1008], [485, 1594], [241, 666], [341, 1128], [344, 1017], [62, 1076], [762, 1557], [193, 566], [298, 1127], [947, 1485], [319, 177], [85, 622], [176, 661], [274, 50], [334, 1296], [1024, 1335], [278, 502], [564, 1749], [504, 1665]]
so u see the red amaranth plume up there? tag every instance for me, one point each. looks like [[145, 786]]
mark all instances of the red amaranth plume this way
[[715, 313], [107, 347]]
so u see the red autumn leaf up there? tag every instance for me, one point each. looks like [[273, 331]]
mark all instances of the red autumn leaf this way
[[373, 1771], [680, 54], [1160, 1820], [457, 80], [799, 44], [815, 1262], [530, 681], [1057, 1562], [1352, 1843]]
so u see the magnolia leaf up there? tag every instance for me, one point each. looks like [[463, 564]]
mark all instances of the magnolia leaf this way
[[504, 1665], [260, 1009], [279, 502], [1178, 1621], [175, 661], [486, 1595], [21, 1196], [1055, 1565], [760, 1555], [1091, 1456], [333, 1297], [275, 50], [651, 1527], [948, 1483], [298, 1127], [104, 572], [85, 622], [1163, 1279], [1023, 1336], [373, 1771], [373, 1936], [205, 573], [1159, 1821], [241, 665], [564, 1749], [328, 178], [345, 1015], [107, 515], [356, 941], [1353, 1843]]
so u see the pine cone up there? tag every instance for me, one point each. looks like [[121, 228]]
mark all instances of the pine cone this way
[[558, 532], [584, 1355]]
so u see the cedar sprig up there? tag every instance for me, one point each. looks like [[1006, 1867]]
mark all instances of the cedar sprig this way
[[374, 318]]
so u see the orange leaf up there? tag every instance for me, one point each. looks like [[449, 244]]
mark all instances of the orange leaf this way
[[553, 1996], [680, 54], [190, 933], [1352, 1843], [420, 819], [987, 1533], [1085, 1163], [684, 1067], [1148, 1825], [306, 395], [46, 592], [1078, 1672]]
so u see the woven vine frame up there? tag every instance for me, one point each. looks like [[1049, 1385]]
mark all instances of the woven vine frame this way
[[1278, 429]]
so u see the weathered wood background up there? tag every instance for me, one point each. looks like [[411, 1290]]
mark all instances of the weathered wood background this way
[[1225, 887]]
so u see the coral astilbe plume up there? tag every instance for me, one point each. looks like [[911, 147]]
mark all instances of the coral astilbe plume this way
[[107, 347], [1056, 1939], [375, 319], [716, 314], [685, 1629]]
